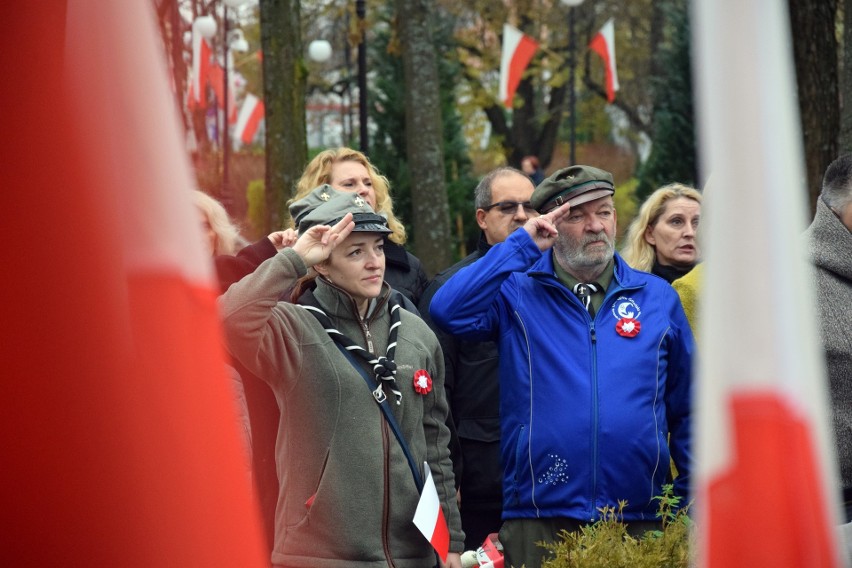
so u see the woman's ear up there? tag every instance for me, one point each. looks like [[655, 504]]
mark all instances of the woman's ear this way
[[321, 268], [649, 236]]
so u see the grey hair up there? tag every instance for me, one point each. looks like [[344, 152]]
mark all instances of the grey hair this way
[[837, 184], [482, 193]]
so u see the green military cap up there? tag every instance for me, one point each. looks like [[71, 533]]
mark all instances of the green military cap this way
[[317, 196], [575, 185], [325, 205]]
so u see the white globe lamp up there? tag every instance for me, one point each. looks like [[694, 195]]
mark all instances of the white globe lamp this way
[[205, 25], [319, 50]]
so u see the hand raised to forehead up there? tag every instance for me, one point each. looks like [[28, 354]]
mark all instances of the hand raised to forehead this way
[[316, 244], [543, 229]]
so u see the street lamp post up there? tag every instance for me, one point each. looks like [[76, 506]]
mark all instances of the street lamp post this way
[[226, 69], [572, 66], [360, 12]]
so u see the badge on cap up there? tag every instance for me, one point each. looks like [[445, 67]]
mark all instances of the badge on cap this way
[[359, 202], [325, 196], [422, 382]]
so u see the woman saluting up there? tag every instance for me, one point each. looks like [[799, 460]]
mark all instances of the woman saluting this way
[[347, 490]]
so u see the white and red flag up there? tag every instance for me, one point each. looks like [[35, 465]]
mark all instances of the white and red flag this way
[[766, 476], [120, 442], [518, 51], [251, 113], [429, 517], [603, 43]]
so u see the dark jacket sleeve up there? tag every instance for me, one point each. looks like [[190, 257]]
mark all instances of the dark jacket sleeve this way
[[448, 347], [404, 271], [231, 269]]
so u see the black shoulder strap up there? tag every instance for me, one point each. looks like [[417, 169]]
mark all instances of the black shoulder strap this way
[[383, 404]]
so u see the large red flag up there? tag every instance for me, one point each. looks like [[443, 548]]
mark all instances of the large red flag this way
[[518, 51], [120, 441], [766, 474]]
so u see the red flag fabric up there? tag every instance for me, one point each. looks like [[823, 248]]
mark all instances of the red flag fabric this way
[[518, 51], [120, 440], [429, 517], [251, 114], [762, 434], [216, 77], [200, 68], [603, 43]]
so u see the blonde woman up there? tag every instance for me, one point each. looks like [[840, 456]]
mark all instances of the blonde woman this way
[[221, 233], [662, 238], [345, 169]]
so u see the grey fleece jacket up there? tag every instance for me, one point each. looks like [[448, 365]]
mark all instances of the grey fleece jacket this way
[[347, 495], [829, 248]]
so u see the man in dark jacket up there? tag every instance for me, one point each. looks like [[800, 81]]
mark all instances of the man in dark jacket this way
[[829, 248], [502, 201], [595, 367]]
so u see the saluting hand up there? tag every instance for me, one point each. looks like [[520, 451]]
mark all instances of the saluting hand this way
[[283, 239], [543, 229], [316, 243]]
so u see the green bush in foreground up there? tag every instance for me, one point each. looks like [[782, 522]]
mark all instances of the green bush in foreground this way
[[606, 543]]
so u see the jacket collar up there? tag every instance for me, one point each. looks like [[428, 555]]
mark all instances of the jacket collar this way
[[482, 246], [396, 255], [624, 276], [336, 302]]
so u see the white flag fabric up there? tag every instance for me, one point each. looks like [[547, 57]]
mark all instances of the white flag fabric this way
[[429, 517], [248, 121], [518, 50], [603, 43], [765, 472]]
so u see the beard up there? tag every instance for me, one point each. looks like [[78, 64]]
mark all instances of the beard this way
[[572, 252]]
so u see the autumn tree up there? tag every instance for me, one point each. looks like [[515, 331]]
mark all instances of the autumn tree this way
[[284, 96], [424, 134], [815, 55]]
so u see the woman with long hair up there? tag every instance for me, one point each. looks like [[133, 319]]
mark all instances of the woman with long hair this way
[[348, 170], [662, 237]]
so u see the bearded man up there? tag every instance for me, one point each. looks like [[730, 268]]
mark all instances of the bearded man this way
[[595, 367]]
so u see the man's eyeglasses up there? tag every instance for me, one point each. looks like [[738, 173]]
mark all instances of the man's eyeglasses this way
[[509, 207]]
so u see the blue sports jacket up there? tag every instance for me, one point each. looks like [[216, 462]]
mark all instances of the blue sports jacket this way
[[586, 410]]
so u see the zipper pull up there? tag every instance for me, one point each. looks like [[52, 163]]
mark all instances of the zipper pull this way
[[594, 334], [368, 336]]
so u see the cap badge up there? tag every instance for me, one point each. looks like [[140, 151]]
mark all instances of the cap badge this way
[[359, 202], [325, 196], [422, 382]]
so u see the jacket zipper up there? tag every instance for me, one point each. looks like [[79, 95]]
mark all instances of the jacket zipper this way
[[385, 496], [595, 426]]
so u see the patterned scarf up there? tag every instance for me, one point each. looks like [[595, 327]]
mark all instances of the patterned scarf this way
[[384, 368]]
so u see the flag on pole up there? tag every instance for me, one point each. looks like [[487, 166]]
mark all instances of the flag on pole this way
[[119, 436], [603, 43], [200, 68], [216, 76], [518, 51], [251, 113], [765, 473], [429, 517]]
